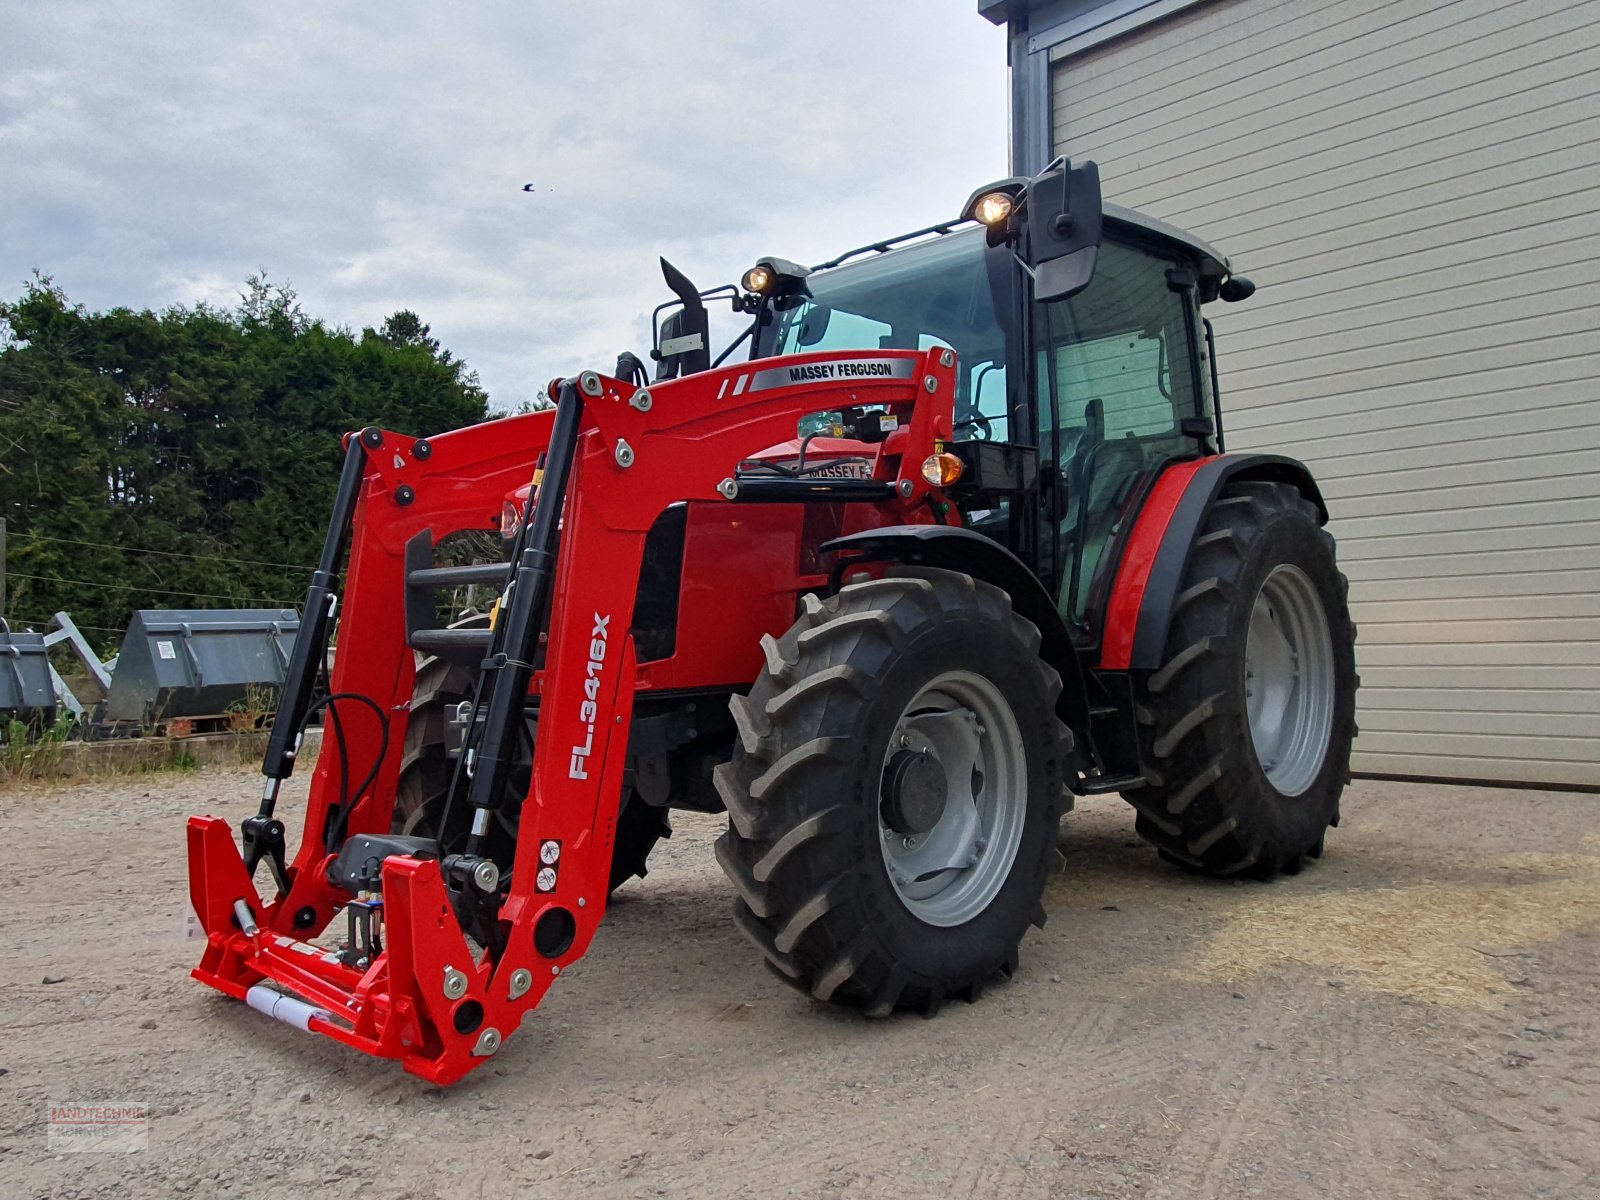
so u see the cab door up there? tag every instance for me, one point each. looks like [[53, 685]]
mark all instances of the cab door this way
[[1116, 378]]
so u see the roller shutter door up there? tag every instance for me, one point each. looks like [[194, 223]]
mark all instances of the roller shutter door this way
[[1414, 186]]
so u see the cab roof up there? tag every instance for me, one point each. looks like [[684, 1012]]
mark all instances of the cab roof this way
[[1212, 260]]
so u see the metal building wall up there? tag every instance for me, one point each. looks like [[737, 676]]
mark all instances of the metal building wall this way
[[1415, 188]]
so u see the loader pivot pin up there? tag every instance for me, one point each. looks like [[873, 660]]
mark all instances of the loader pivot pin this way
[[463, 869]]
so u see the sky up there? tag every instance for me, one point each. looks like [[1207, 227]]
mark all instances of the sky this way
[[373, 157]]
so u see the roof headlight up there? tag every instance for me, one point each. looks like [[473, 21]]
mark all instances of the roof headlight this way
[[992, 208]]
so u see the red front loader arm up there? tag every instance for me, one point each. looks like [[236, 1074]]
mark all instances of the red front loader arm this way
[[428, 998]]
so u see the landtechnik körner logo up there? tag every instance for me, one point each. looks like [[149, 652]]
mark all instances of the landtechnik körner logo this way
[[108, 1126]]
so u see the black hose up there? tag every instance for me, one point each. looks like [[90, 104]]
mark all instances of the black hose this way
[[334, 813], [339, 822]]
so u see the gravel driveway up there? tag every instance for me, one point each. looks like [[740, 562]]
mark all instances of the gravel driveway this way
[[1416, 1015]]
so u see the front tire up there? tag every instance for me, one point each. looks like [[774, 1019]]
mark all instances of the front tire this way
[[1246, 727], [895, 791]]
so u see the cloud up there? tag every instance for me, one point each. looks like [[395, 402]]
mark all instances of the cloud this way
[[373, 156]]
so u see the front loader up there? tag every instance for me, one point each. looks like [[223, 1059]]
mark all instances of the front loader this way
[[957, 542]]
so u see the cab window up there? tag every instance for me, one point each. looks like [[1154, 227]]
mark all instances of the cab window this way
[[933, 294], [1115, 367]]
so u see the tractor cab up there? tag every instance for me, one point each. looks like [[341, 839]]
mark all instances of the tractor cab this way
[[1098, 389]]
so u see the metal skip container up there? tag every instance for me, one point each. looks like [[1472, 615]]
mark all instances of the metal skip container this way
[[197, 663], [26, 691]]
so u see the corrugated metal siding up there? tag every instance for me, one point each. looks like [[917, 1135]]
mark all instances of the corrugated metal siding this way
[[1415, 188]]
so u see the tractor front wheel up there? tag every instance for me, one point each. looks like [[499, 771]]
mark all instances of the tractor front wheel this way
[[895, 791], [1246, 727]]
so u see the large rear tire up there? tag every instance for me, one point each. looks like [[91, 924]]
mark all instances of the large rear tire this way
[[894, 792], [1246, 727], [425, 771]]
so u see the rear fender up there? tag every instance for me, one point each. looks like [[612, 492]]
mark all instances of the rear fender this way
[[955, 549], [1157, 554]]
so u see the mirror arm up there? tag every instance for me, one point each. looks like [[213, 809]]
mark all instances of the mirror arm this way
[[749, 332]]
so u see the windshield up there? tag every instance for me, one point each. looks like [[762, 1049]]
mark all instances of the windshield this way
[[933, 294]]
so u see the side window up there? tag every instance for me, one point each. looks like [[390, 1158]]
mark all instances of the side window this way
[[1119, 351], [980, 395], [987, 387], [1114, 380]]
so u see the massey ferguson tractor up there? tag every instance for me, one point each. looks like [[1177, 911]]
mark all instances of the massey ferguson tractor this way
[[945, 539]]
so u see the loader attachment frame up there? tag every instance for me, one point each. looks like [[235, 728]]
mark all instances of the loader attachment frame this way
[[430, 997]]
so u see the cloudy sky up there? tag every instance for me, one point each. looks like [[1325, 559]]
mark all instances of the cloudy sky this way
[[373, 156]]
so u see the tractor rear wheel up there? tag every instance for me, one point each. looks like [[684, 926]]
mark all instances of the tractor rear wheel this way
[[1246, 727], [894, 792], [425, 772], [425, 768]]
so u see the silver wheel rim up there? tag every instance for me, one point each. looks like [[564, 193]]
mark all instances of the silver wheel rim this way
[[952, 872], [1288, 680]]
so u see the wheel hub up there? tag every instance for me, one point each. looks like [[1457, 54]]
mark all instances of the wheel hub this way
[[1289, 680], [953, 798], [914, 792]]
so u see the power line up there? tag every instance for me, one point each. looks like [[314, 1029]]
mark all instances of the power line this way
[[112, 587], [79, 624], [249, 562]]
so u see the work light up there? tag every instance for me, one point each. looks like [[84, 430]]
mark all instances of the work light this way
[[993, 207]]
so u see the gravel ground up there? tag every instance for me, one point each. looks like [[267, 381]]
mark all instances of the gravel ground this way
[[1417, 1015]]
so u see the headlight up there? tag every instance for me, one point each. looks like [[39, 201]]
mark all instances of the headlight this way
[[993, 207], [757, 279]]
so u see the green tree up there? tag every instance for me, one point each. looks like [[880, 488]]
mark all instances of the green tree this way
[[188, 458]]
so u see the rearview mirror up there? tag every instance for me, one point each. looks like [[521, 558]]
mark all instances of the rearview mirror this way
[[685, 347], [814, 325], [1063, 224]]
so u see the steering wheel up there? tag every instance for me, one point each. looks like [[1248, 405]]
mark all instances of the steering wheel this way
[[969, 418]]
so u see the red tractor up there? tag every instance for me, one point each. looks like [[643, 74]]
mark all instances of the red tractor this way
[[956, 542]]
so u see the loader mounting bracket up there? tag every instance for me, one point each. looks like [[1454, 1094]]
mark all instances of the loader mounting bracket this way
[[264, 838]]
